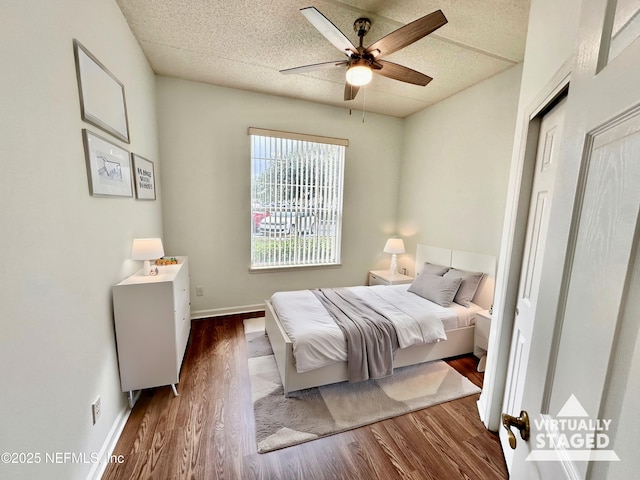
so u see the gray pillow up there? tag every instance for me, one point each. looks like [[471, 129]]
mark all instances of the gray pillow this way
[[433, 269], [435, 288], [468, 287]]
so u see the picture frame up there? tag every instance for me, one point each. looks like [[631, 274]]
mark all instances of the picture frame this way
[[108, 166], [144, 177], [102, 99]]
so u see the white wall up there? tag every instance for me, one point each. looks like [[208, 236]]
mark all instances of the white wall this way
[[206, 187], [455, 168], [551, 41], [62, 249]]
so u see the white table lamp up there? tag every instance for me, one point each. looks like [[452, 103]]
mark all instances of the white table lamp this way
[[147, 249], [394, 246]]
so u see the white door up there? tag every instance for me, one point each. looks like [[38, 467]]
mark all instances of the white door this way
[[547, 158], [582, 381]]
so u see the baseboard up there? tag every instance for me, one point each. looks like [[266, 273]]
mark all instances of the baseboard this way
[[98, 468], [218, 312]]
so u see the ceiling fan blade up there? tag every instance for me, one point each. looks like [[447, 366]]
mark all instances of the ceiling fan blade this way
[[315, 67], [406, 35], [350, 91], [399, 72], [329, 30]]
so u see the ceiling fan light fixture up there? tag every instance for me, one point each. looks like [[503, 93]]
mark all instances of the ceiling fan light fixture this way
[[359, 75]]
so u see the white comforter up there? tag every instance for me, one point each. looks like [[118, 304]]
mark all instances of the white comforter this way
[[318, 341]]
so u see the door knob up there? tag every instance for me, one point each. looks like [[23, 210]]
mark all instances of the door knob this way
[[521, 423]]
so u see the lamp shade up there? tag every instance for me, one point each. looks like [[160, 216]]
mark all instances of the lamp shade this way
[[147, 249], [394, 245], [359, 74]]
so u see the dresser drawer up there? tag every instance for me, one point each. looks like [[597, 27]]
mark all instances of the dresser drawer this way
[[384, 277], [183, 313], [181, 285], [482, 342], [376, 280], [181, 340], [483, 325]]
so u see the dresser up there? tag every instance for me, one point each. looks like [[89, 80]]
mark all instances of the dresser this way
[[152, 320]]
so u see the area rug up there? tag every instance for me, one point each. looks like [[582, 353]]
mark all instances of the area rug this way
[[318, 412]]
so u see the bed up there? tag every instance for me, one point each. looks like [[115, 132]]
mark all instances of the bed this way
[[459, 331]]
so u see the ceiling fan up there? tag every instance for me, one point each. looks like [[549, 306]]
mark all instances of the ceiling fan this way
[[362, 62]]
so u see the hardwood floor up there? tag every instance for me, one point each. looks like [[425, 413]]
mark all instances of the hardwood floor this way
[[208, 431]]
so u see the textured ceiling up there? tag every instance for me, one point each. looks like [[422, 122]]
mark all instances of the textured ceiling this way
[[244, 43]]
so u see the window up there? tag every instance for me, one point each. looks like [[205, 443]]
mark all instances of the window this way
[[296, 199]]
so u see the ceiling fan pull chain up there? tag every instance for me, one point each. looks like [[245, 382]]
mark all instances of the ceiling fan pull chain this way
[[364, 99]]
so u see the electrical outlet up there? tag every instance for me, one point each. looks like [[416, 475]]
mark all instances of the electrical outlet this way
[[199, 291], [96, 410]]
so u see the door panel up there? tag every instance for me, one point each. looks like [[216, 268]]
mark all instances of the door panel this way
[[520, 353], [548, 149], [623, 386], [604, 241], [540, 215]]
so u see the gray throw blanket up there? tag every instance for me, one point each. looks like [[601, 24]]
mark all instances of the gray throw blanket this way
[[371, 337]]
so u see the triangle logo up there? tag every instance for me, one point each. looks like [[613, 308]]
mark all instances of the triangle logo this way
[[572, 408]]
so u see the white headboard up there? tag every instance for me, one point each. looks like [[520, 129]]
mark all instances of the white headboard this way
[[469, 261]]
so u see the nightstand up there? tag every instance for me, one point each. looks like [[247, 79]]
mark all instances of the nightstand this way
[[481, 338], [384, 277]]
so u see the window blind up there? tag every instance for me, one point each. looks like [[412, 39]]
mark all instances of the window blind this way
[[296, 199]]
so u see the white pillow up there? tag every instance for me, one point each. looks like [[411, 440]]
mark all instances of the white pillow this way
[[468, 286], [433, 269], [435, 288]]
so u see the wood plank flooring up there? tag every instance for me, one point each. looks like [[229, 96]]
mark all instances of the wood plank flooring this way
[[208, 431]]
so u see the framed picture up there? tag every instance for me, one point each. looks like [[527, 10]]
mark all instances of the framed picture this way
[[108, 167], [144, 178], [102, 101]]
